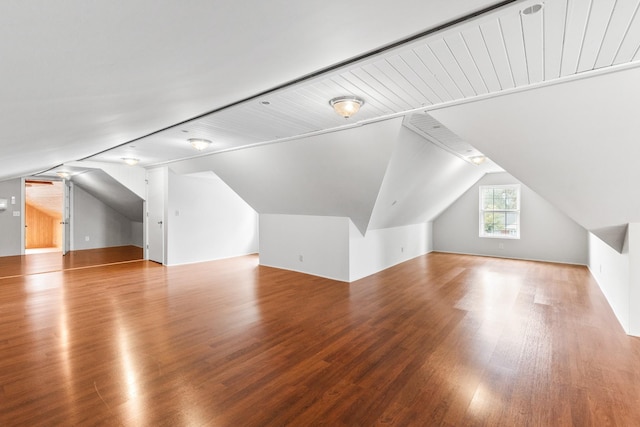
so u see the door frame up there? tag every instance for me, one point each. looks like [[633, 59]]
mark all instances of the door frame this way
[[156, 177]]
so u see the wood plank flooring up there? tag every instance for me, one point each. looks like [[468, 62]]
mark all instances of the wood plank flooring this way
[[439, 340], [21, 265]]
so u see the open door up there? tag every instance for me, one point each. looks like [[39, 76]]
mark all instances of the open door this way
[[43, 215], [156, 179], [66, 218]]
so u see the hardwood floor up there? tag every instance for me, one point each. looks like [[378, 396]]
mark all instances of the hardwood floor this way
[[440, 340], [36, 263]]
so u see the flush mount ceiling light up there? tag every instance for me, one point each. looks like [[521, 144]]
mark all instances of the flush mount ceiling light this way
[[130, 161], [199, 144], [477, 160], [532, 10], [346, 106], [63, 174]]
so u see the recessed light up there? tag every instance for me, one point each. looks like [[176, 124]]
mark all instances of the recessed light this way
[[265, 102], [185, 131], [532, 10], [130, 161], [436, 126]]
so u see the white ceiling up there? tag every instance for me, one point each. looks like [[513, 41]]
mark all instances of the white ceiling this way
[[500, 51], [82, 77]]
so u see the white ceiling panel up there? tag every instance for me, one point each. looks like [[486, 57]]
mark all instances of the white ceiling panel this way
[[445, 57], [414, 81], [533, 37], [623, 15], [426, 55], [514, 43], [492, 33], [576, 25], [599, 19], [554, 13], [390, 77], [474, 40], [420, 69], [629, 46], [458, 46]]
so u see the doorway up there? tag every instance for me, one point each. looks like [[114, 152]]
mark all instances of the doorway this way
[[44, 216]]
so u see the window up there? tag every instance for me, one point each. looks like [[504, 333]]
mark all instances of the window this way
[[500, 211]]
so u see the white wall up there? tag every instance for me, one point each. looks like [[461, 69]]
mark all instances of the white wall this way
[[611, 270], [634, 278], [381, 249], [207, 220], [333, 247], [137, 234], [317, 245], [11, 226], [546, 234], [103, 226]]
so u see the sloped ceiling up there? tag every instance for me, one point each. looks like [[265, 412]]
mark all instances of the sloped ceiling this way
[[579, 151], [82, 77], [380, 175], [111, 192], [501, 50], [46, 196], [336, 174], [421, 181]]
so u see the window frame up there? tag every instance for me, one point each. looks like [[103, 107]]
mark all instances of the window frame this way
[[482, 211]]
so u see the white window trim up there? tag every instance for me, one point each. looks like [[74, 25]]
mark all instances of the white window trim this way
[[482, 211]]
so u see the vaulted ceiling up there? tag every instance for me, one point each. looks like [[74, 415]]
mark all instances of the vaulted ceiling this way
[[79, 78], [518, 82]]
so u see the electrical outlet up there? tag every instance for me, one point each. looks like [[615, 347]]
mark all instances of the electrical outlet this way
[[300, 258], [16, 213], [86, 238], [500, 245], [401, 249]]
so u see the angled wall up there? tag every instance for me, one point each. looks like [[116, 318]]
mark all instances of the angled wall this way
[[97, 225], [618, 275], [334, 248], [575, 143], [421, 181], [336, 174], [380, 249], [546, 234], [206, 220]]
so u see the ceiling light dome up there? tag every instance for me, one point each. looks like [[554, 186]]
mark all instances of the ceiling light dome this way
[[346, 106], [199, 143], [130, 161], [477, 160]]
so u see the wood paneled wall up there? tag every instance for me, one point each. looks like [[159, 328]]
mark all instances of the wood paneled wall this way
[[43, 230]]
